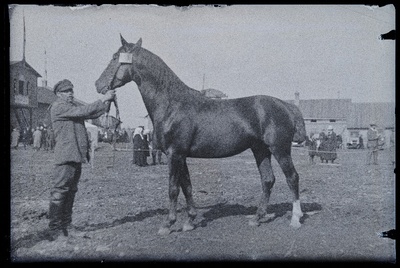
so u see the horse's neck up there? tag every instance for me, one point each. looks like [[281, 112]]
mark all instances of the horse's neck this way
[[160, 87]]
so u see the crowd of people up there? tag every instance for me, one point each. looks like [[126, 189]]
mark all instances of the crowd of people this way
[[325, 144], [39, 138]]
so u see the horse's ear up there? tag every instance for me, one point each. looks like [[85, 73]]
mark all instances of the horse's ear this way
[[139, 43], [137, 47], [123, 41]]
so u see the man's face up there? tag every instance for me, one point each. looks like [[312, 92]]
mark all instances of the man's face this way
[[67, 95]]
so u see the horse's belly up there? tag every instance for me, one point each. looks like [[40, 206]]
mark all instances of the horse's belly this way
[[218, 148]]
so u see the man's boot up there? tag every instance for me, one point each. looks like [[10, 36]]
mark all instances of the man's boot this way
[[55, 220], [67, 215]]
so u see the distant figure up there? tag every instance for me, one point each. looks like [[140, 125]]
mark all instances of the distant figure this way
[[50, 140], [328, 146], [15, 138], [26, 137], [44, 138], [361, 142], [155, 152], [339, 140], [372, 144], [146, 134], [311, 142], [139, 156], [37, 139]]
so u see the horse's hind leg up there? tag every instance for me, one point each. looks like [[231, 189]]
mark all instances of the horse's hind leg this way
[[292, 178], [186, 186], [175, 163], [263, 159]]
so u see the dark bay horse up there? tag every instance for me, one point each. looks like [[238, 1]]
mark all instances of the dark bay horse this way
[[188, 124]]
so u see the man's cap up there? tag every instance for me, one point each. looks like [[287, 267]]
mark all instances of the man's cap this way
[[372, 124], [330, 127], [63, 85]]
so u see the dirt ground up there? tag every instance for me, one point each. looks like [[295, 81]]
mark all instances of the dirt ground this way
[[119, 209]]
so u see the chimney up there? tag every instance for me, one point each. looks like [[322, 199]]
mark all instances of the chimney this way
[[297, 98]]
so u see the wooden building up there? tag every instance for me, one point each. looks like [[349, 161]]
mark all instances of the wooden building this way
[[23, 94]]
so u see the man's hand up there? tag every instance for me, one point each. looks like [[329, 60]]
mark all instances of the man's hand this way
[[109, 96]]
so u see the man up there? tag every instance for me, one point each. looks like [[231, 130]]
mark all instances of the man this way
[[71, 150], [372, 144]]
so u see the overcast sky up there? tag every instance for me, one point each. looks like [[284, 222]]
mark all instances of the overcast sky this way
[[327, 51]]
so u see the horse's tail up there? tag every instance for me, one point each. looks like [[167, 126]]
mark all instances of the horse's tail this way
[[300, 133]]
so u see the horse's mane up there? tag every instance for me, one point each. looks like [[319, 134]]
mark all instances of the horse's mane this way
[[167, 79]]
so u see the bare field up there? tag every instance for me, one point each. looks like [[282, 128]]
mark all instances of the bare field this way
[[118, 210]]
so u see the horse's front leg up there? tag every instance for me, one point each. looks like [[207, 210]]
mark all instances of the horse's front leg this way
[[186, 186], [175, 165]]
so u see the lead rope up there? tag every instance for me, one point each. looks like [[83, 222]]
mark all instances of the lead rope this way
[[111, 165]]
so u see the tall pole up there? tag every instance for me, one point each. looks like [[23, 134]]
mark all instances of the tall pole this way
[[24, 44], [45, 69], [204, 79]]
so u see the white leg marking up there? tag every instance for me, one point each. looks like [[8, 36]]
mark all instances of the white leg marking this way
[[296, 214]]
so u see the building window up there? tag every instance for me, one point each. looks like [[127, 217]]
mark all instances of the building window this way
[[332, 120], [21, 87], [313, 120], [27, 89]]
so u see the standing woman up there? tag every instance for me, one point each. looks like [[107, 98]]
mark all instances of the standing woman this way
[[138, 146]]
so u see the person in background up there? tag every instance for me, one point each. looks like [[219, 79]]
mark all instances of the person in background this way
[[31, 136], [146, 148], [37, 138], [44, 138], [15, 138], [50, 139], [155, 152], [361, 142], [328, 146], [26, 136], [138, 148], [70, 151], [311, 142], [372, 144]]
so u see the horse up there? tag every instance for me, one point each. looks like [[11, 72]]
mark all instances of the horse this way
[[188, 124]]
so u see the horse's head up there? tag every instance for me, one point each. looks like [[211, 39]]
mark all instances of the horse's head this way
[[120, 69]]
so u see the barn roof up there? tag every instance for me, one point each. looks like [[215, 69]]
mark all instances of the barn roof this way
[[15, 63], [357, 115], [362, 114], [324, 108]]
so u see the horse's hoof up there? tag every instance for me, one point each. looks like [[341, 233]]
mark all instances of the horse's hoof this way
[[254, 222], [164, 231], [187, 227]]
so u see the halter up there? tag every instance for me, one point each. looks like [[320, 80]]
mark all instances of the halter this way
[[123, 58]]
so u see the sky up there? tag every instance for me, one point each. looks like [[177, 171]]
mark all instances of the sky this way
[[320, 51]]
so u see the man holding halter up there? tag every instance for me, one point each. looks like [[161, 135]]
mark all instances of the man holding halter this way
[[71, 150]]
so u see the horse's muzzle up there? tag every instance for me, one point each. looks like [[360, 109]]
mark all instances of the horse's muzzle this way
[[101, 88]]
